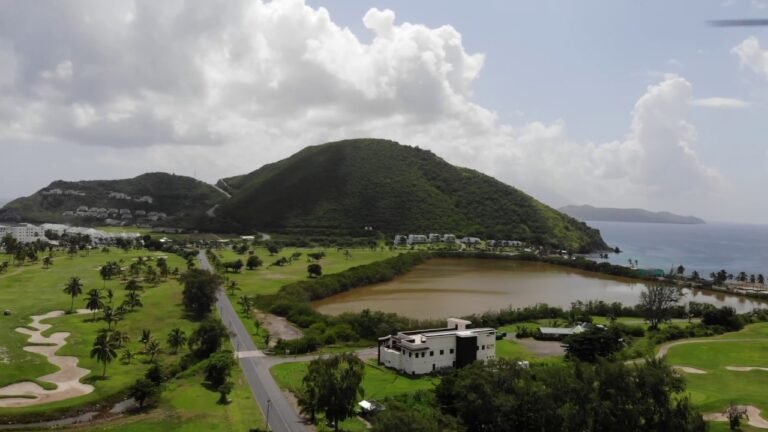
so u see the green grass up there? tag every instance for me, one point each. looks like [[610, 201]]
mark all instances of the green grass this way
[[31, 290], [268, 280], [712, 392], [378, 383], [187, 406]]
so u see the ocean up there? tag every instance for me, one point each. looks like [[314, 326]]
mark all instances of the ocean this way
[[705, 248]]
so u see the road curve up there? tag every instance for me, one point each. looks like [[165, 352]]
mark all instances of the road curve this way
[[255, 366]]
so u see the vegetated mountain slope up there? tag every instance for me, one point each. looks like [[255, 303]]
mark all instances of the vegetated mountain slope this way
[[589, 213], [347, 185], [182, 199]]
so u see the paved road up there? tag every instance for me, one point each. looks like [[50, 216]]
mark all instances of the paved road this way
[[282, 416]]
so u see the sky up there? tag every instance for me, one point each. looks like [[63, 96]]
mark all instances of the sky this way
[[620, 104]]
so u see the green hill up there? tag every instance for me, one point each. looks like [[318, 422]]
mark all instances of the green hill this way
[[346, 185], [589, 213], [183, 200]]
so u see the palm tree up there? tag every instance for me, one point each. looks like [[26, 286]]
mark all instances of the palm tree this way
[[132, 285], [146, 336], [127, 355], [104, 351], [232, 287], [761, 279], [47, 262], [110, 316], [74, 288], [176, 339], [133, 300], [246, 303], [153, 348], [93, 302], [120, 338], [110, 295]]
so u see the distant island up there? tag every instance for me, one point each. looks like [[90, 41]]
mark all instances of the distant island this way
[[590, 213]]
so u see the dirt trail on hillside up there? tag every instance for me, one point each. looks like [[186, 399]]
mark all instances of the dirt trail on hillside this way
[[67, 379]]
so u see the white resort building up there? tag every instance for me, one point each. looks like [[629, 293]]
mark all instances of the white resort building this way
[[423, 351]]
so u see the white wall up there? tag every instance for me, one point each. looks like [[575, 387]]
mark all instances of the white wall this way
[[421, 362]]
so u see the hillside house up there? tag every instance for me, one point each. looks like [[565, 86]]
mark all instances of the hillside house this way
[[560, 333], [419, 352], [417, 239], [470, 240]]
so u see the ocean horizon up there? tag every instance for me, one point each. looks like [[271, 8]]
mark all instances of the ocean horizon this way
[[705, 248]]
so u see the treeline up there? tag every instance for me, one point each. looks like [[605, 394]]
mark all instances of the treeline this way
[[579, 263], [293, 303], [574, 396], [608, 396]]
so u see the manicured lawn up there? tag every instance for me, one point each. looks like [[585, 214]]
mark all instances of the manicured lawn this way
[[713, 391], [378, 383], [31, 290], [268, 280], [188, 406]]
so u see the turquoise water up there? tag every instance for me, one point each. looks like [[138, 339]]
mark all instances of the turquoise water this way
[[705, 248]]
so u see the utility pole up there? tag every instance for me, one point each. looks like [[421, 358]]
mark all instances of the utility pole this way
[[269, 405]]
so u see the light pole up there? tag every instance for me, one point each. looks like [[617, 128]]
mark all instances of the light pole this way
[[269, 404]]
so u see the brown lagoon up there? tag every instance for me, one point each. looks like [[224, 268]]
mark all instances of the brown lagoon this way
[[458, 287]]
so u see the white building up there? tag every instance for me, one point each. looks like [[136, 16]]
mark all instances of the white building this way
[[417, 239], [24, 233], [423, 351]]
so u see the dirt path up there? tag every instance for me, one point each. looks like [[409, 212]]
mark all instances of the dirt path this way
[[689, 370], [753, 412], [67, 379], [745, 368], [278, 327]]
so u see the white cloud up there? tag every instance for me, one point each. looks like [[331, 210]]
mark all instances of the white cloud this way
[[752, 56], [720, 102], [220, 88]]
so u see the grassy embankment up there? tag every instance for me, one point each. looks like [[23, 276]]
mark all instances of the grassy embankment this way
[[31, 290], [715, 390], [269, 279]]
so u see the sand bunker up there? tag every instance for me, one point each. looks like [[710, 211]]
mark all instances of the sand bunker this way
[[67, 380], [689, 370], [753, 412], [745, 368]]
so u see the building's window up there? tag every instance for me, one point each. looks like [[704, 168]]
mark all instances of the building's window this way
[[410, 354], [451, 351], [483, 347], [431, 353], [423, 354], [441, 352]]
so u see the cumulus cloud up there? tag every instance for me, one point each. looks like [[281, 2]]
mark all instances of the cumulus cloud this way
[[720, 102], [751, 55], [220, 88]]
